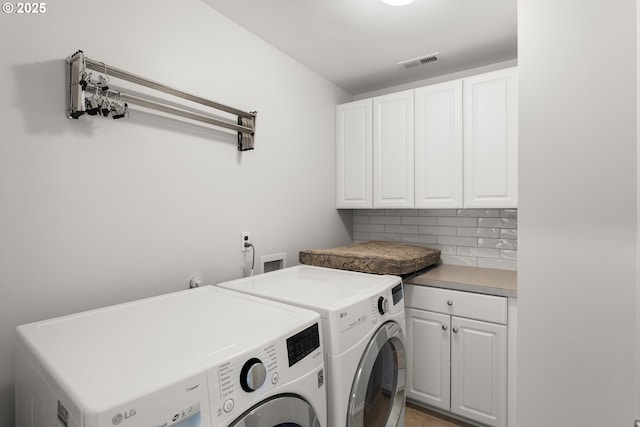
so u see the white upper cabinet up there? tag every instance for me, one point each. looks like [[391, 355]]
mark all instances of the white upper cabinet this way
[[353, 155], [491, 140], [450, 145], [393, 143], [438, 146]]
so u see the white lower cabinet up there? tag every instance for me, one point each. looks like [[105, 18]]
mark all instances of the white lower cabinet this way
[[457, 353], [429, 355], [479, 371]]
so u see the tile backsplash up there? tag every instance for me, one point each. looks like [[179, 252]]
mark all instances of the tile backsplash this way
[[474, 237]]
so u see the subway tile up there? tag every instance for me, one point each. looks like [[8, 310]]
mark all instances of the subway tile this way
[[474, 237], [479, 213], [478, 232], [497, 243], [501, 264], [361, 212], [509, 213], [372, 228], [360, 237], [509, 233], [386, 237], [438, 231], [478, 252], [361, 219], [407, 229], [386, 220], [458, 221], [458, 241], [418, 220], [498, 222], [400, 212], [438, 212], [446, 249], [418, 238], [376, 212], [459, 260]]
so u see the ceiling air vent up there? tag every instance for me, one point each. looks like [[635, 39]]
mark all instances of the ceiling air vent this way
[[421, 60]]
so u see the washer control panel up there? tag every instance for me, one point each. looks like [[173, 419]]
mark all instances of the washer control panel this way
[[252, 375], [240, 382], [303, 343]]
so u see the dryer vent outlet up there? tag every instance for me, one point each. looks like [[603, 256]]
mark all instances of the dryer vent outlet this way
[[273, 262], [420, 60]]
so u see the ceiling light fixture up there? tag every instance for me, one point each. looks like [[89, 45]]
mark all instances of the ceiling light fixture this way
[[398, 2]]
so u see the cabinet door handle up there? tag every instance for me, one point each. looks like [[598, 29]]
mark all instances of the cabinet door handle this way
[[444, 327], [450, 303], [455, 330]]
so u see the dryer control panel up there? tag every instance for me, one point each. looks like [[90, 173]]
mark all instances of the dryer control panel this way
[[357, 320], [387, 303], [396, 297]]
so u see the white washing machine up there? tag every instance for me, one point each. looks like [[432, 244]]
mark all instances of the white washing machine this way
[[205, 357], [363, 326]]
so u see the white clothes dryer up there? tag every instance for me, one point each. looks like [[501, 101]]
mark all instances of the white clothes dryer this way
[[205, 357], [363, 326]]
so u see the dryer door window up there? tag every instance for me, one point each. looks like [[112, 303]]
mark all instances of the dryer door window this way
[[279, 411], [378, 390]]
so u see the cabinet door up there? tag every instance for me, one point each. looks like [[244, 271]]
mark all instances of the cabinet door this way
[[428, 351], [479, 371], [438, 146], [353, 155], [491, 140], [393, 150]]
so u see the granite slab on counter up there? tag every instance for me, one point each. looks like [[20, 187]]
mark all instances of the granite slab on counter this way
[[471, 279], [373, 257]]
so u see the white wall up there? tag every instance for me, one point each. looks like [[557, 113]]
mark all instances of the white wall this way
[[96, 211], [637, 407], [577, 213]]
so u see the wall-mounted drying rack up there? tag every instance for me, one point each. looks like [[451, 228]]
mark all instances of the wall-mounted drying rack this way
[[105, 101]]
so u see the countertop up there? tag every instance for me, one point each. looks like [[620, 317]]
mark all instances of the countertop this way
[[471, 279]]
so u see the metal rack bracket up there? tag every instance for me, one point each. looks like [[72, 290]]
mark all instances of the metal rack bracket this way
[[80, 83]]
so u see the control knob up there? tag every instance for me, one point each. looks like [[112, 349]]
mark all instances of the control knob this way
[[252, 375], [383, 305]]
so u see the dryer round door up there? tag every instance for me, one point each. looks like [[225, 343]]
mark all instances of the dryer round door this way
[[286, 410], [378, 391]]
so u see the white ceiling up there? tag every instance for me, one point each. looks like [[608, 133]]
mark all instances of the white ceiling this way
[[357, 43]]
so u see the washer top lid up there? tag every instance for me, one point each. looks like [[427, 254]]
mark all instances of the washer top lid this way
[[317, 288], [100, 354]]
